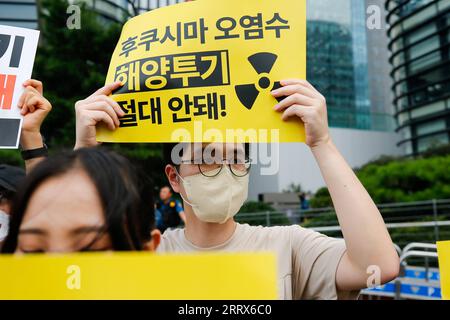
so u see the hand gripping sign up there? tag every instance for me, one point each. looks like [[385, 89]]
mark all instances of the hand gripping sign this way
[[203, 71], [17, 51]]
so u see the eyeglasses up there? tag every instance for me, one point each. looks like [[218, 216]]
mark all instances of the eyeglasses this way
[[238, 169]]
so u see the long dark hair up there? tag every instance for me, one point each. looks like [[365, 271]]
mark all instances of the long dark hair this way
[[128, 208]]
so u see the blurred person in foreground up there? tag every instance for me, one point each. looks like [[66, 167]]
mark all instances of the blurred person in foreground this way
[[84, 200]]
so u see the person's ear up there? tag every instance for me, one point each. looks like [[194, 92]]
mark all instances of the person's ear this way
[[153, 244], [173, 178]]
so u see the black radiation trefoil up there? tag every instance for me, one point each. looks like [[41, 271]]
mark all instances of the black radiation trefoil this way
[[263, 63]]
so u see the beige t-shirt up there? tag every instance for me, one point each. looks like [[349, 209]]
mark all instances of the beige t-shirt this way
[[307, 260]]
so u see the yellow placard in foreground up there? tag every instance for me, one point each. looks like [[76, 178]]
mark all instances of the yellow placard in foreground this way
[[202, 71], [443, 248], [140, 276]]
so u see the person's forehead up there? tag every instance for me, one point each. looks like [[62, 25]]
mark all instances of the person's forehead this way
[[193, 148], [69, 200]]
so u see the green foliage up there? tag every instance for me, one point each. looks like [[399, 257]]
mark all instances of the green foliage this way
[[293, 188], [71, 63], [11, 157], [259, 218], [323, 220], [400, 180], [391, 180], [321, 199], [440, 150], [255, 206], [408, 180]]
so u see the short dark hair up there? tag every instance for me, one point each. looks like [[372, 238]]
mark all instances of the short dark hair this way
[[167, 152], [166, 186], [128, 208]]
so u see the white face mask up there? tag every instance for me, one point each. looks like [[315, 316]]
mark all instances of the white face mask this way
[[215, 199], [4, 225]]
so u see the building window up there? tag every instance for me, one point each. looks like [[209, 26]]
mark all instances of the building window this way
[[422, 69], [423, 47], [421, 16], [403, 118], [408, 148], [405, 133], [430, 127], [421, 33], [425, 62], [444, 4], [25, 12], [430, 142], [428, 109]]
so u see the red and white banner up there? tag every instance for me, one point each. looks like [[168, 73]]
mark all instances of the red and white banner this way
[[17, 51]]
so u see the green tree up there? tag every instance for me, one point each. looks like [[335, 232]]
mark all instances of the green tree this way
[[400, 180], [256, 206], [258, 219], [407, 180], [71, 64], [293, 188], [321, 199]]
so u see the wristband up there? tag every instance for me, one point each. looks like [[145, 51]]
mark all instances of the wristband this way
[[35, 153]]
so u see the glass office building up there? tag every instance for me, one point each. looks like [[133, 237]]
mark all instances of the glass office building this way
[[146, 5], [420, 57], [330, 69], [24, 13], [341, 65], [111, 10], [378, 54], [360, 64], [19, 13]]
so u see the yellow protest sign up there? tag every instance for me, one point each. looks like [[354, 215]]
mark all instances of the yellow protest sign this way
[[202, 71], [139, 276], [443, 248]]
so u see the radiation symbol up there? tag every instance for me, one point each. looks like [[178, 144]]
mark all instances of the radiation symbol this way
[[262, 63]]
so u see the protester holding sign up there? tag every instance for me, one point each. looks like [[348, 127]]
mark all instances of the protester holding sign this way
[[163, 83], [311, 265], [239, 56]]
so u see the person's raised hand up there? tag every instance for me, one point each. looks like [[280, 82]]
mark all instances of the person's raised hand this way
[[95, 109], [34, 108], [305, 102]]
